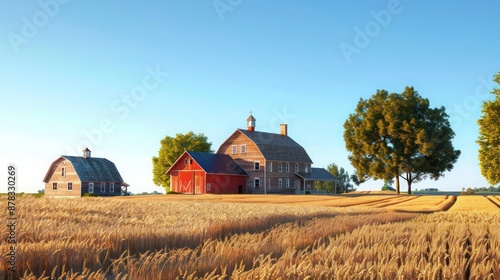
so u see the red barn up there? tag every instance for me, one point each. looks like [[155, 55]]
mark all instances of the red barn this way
[[200, 173]]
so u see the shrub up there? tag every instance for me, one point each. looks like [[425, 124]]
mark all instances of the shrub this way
[[90, 195]]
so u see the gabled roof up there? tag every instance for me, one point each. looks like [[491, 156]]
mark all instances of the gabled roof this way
[[277, 146], [317, 174], [215, 163], [92, 169]]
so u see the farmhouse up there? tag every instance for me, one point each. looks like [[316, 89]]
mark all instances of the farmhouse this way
[[73, 176], [268, 163]]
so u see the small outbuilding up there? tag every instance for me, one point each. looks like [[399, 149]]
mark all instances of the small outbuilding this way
[[73, 176], [202, 173]]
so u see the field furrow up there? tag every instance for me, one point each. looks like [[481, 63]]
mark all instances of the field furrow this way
[[466, 203]]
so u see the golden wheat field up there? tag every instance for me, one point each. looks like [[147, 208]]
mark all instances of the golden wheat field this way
[[257, 237]]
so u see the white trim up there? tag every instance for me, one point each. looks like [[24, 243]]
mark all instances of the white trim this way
[[296, 167], [280, 167], [270, 169], [287, 182], [256, 165], [255, 180], [112, 187], [287, 167], [70, 184], [103, 187], [243, 148], [234, 149], [280, 183], [54, 184], [91, 184]]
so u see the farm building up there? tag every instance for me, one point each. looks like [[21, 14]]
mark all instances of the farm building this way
[[73, 176], [199, 173], [272, 163]]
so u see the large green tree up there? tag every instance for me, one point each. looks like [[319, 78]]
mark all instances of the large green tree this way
[[399, 136], [489, 137], [171, 149]]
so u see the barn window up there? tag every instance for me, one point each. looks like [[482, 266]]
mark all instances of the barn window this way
[[287, 167], [63, 171], [103, 187], [54, 186], [296, 167], [111, 187], [208, 186], [234, 149], [270, 167], [306, 168], [280, 166], [243, 148], [287, 183], [70, 186], [280, 183], [185, 161], [256, 183], [91, 187], [256, 165]]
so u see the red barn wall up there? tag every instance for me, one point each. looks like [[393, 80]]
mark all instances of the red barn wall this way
[[226, 184]]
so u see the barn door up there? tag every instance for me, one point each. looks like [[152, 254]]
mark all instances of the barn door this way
[[186, 181]]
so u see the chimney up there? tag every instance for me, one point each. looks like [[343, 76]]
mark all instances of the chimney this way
[[251, 123], [284, 129], [86, 153]]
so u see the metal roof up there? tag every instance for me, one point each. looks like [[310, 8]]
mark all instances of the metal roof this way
[[95, 169], [317, 174], [217, 163], [277, 146]]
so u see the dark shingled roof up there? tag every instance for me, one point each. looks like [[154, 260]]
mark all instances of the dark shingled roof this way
[[95, 169], [277, 147], [217, 163], [317, 174]]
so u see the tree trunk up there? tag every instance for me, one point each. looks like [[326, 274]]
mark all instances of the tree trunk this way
[[409, 184], [397, 184]]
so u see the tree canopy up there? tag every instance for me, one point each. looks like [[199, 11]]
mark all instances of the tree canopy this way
[[399, 136], [171, 149], [489, 137]]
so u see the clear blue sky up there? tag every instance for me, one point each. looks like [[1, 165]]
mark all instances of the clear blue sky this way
[[118, 77]]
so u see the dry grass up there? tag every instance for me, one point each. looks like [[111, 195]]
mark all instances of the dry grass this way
[[208, 237], [476, 203]]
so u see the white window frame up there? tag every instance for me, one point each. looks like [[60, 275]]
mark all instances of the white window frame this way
[[54, 186], [287, 167], [70, 186], [280, 183], [256, 165], [112, 187], [243, 148], [280, 167], [103, 187], [270, 164], [63, 171], [91, 187], [234, 149], [256, 179], [306, 169], [287, 183], [296, 167]]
